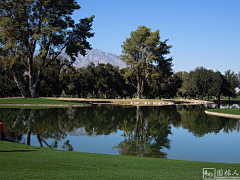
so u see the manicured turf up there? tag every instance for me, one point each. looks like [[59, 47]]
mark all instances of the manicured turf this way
[[26, 162], [35, 101], [227, 111], [236, 99]]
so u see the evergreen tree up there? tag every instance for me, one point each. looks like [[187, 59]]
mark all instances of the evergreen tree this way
[[140, 52], [231, 84], [217, 86]]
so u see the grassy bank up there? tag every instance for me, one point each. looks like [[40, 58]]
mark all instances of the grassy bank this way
[[38, 103], [236, 99], [35, 101], [26, 162], [82, 101], [227, 111]]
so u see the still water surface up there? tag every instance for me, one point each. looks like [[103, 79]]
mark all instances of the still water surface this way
[[173, 132]]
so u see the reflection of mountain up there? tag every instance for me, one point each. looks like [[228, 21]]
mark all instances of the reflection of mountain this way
[[81, 132], [97, 56]]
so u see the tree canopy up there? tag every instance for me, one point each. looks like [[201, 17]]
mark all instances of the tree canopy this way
[[140, 52], [42, 28], [202, 82]]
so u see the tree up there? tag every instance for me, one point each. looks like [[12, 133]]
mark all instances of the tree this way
[[217, 86], [238, 80], [127, 89], [115, 81], [162, 73], [42, 28], [19, 71], [140, 51], [6, 86], [89, 80], [108, 80], [186, 89], [102, 79], [201, 81], [231, 85], [172, 84], [54, 78]]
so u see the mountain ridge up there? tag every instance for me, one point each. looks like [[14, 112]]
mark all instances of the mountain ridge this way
[[98, 56]]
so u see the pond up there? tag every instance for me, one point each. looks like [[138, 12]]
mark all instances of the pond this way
[[172, 132]]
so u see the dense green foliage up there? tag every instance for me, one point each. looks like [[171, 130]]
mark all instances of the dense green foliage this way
[[42, 29], [108, 81], [202, 82], [103, 80], [6, 86], [144, 55]]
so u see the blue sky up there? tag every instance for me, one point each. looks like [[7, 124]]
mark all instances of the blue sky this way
[[202, 32]]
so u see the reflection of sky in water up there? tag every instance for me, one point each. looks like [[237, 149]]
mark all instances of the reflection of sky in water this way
[[97, 144], [221, 147], [151, 125]]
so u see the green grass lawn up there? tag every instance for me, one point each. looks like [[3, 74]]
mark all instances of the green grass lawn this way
[[227, 111], [27, 162], [236, 99], [36, 101]]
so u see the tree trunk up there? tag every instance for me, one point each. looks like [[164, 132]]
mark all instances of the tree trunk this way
[[137, 120], [28, 136], [19, 117], [138, 91], [140, 88], [20, 86], [39, 138], [31, 120], [32, 86]]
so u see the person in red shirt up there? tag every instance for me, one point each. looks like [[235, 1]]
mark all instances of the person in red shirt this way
[[2, 130]]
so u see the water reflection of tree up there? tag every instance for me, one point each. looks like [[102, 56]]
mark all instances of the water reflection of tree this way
[[44, 123], [67, 146], [146, 133], [102, 119], [146, 130], [197, 122], [9, 116]]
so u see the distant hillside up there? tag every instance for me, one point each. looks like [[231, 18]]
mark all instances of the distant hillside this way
[[97, 56]]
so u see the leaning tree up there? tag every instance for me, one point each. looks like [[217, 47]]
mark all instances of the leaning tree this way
[[42, 28]]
